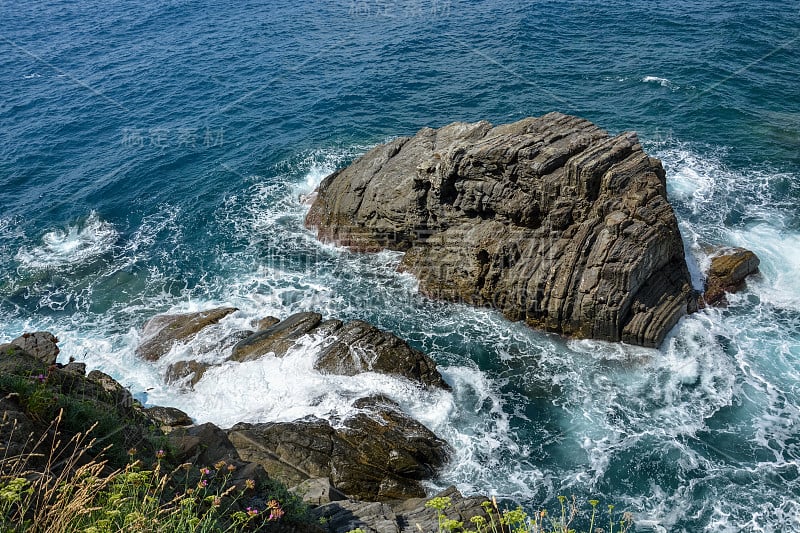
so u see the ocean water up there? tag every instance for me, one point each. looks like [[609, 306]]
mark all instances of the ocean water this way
[[153, 156]]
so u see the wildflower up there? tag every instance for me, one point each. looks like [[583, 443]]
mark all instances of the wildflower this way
[[251, 511], [231, 468], [205, 471], [275, 511], [160, 454], [132, 452], [203, 483], [216, 502], [219, 465], [594, 502], [250, 484]]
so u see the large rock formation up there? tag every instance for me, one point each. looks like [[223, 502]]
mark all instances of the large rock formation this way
[[377, 454], [549, 219]]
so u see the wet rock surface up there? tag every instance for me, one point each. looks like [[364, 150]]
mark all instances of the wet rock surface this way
[[162, 331], [550, 220], [727, 274]]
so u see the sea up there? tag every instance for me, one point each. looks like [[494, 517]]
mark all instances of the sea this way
[[154, 157]]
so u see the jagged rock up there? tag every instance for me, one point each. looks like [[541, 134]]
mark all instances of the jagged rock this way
[[41, 345], [376, 454], [354, 348], [361, 347], [318, 491], [206, 445], [162, 331], [76, 368], [169, 417], [549, 220], [727, 273], [276, 339], [190, 371], [15, 360], [409, 516], [121, 395], [266, 322]]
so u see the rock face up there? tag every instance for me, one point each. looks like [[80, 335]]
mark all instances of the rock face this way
[[377, 454], [162, 331], [549, 220], [727, 274]]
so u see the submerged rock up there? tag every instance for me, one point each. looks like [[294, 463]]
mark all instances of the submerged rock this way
[[346, 349], [550, 220], [377, 454], [727, 273], [162, 331]]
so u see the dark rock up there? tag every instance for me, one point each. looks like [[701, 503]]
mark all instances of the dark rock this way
[[121, 395], [276, 339], [353, 348], [361, 347], [75, 367], [168, 416], [189, 372], [409, 516], [377, 454], [162, 331], [15, 360], [267, 322], [549, 220], [42, 345], [203, 445], [206, 445], [727, 273]]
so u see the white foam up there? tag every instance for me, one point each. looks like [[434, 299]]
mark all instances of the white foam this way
[[75, 244]]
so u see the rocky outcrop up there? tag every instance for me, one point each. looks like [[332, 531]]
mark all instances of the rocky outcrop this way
[[162, 331], [410, 516], [727, 274], [346, 349], [550, 220], [42, 345], [277, 338], [377, 454]]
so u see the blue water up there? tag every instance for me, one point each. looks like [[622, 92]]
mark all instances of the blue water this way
[[152, 157]]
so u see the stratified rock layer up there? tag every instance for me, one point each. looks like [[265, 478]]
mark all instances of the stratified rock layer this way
[[549, 219]]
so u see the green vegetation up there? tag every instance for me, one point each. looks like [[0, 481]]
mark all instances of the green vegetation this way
[[518, 521], [57, 487]]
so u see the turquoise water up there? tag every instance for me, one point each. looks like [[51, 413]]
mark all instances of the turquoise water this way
[[153, 155]]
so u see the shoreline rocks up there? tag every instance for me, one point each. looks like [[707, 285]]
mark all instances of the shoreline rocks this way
[[550, 220], [727, 274], [377, 454]]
